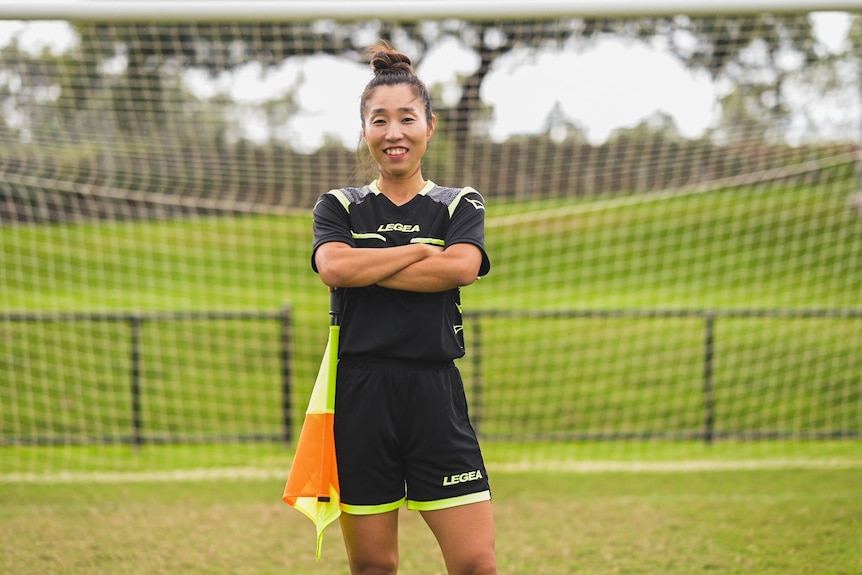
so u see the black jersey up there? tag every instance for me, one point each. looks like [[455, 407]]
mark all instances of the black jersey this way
[[378, 322]]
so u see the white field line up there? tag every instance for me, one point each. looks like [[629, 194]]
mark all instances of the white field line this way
[[582, 209], [172, 476], [659, 195], [253, 473], [676, 466]]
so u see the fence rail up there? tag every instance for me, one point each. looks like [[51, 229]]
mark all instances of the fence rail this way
[[474, 319], [136, 321], [709, 316]]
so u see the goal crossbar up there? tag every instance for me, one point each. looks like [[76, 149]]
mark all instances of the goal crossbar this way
[[297, 10]]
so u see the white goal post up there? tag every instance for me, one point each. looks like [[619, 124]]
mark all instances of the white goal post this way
[[166, 10]]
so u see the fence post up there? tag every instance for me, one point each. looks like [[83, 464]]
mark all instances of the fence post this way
[[477, 374], [137, 431], [708, 397], [286, 404]]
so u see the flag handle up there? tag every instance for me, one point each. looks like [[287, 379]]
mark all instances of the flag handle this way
[[336, 302]]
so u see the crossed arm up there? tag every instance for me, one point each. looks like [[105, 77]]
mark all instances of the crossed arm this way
[[414, 267]]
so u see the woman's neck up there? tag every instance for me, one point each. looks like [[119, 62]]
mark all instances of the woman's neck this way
[[401, 191]]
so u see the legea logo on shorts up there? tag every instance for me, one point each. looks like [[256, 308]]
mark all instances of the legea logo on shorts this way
[[462, 478]]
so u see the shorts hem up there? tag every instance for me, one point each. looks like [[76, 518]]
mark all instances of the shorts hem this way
[[450, 502], [372, 509]]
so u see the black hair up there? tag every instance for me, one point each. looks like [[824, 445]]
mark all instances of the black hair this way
[[392, 68]]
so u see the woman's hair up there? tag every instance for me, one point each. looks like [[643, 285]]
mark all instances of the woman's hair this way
[[392, 68]]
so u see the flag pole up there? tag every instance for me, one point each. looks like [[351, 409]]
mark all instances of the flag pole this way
[[335, 302]]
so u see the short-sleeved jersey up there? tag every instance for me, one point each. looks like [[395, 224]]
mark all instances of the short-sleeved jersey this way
[[382, 323]]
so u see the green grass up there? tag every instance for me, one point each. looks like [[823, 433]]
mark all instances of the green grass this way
[[83, 463], [767, 247], [748, 247], [766, 522]]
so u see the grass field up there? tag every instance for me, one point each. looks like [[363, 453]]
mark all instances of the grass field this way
[[777, 506], [772, 522]]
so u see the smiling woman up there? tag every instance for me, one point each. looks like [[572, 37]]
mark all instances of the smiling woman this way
[[401, 248]]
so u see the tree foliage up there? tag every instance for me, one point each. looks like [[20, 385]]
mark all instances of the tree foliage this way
[[135, 70]]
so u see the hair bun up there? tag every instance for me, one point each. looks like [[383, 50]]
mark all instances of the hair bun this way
[[385, 60]]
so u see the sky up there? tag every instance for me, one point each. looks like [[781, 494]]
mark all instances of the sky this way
[[627, 82]]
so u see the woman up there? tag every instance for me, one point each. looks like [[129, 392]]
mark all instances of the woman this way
[[401, 247]]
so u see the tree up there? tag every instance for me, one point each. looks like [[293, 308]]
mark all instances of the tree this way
[[752, 54], [154, 51]]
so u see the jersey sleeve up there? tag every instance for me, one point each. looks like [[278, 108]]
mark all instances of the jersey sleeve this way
[[331, 224], [467, 224]]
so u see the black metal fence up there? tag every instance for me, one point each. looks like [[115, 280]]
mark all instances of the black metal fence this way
[[476, 368], [708, 432], [137, 358]]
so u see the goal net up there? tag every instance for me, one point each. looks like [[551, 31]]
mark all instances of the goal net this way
[[674, 223]]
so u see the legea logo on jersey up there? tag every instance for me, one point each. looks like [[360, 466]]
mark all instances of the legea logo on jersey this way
[[398, 227], [462, 478]]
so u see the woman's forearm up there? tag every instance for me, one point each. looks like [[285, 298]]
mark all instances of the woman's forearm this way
[[340, 265]]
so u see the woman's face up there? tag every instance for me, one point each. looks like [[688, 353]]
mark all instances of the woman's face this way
[[396, 130]]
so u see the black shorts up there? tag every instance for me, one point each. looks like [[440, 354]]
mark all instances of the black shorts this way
[[402, 434]]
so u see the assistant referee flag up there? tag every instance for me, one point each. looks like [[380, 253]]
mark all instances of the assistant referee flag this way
[[312, 483]]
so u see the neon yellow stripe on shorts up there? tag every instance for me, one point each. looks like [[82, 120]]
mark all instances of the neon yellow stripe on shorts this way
[[450, 502], [372, 509]]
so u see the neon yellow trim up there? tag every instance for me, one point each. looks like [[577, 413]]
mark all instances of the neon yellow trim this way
[[457, 199], [341, 198], [449, 503], [429, 185], [432, 241], [373, 509], [367, 236]]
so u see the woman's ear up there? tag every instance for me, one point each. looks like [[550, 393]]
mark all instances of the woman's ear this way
[[431, 127]]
